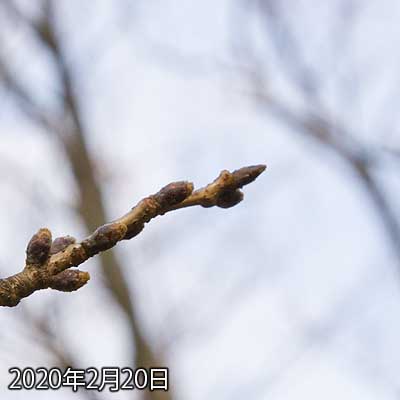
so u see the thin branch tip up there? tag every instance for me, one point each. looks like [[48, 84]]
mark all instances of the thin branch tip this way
[[48, 261], [248, 174]]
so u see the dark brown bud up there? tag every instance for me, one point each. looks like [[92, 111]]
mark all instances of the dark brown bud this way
[[246, 175], [61, 243], [173, 194], [229, 198], [69, 280], [104, 237], [38, 248]]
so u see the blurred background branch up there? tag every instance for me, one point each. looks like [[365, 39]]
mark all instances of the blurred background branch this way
[[69, 129], [306, 306]]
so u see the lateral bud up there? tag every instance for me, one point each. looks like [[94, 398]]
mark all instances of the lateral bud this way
[[173, 194], [229, 198], [104, 237], [69, 280], [61, 243], [38, 248]]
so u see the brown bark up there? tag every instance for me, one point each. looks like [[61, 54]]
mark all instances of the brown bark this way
[[48, 263]]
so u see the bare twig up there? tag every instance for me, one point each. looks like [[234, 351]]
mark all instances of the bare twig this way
[[48, 262], [69, 128]]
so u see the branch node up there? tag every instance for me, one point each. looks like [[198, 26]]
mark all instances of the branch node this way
[[48, 263]]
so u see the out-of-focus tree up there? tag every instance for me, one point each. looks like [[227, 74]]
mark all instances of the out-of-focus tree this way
[[66, 123], [301, 64], [304, 64], [318, 89]]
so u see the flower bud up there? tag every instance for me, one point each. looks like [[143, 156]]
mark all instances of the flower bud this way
[[38, 248], [61, 243], [104, 237], [174, 193], [69, 280], [229, 198]]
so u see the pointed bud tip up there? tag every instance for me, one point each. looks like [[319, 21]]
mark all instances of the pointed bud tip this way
[[256, 169], [246, 175]]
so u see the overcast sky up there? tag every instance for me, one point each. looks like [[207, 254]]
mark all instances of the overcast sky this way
[[294, 293]]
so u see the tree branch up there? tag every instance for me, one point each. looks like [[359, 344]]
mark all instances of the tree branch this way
[[48, 262]]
